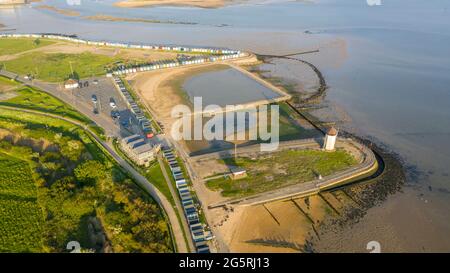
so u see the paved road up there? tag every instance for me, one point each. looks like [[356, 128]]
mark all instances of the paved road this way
[[141, 180]]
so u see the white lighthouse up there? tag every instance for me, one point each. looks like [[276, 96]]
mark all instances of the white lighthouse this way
[[330, 139]]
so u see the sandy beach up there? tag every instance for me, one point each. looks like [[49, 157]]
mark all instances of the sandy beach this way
[[191, 3]]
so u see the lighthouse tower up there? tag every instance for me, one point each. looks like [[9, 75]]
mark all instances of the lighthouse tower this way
[[330, 139]]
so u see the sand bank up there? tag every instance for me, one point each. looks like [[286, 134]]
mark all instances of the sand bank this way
[[109, 18], [65, 12]]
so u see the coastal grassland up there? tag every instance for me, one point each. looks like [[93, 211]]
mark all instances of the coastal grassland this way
[[280, 169], [56, 67], [30, 98], [10, 46], [21, 218], [80, 193]]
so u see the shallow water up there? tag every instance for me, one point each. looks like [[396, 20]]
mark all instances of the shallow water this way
[[227, 87], [387, 67]]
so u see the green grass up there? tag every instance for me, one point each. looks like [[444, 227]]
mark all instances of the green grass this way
[[281, 169], [155, 176], [21, 217], [16, 45], [51, 186], [30, 98], [55, 67]]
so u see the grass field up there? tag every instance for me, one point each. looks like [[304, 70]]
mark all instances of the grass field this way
[[30, 98], [281, 169], [55, 67], [13, 46], [21, 217]]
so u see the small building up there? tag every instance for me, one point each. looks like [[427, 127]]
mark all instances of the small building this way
[[238, 172], [138, 150], [330, 139], [71, 84]]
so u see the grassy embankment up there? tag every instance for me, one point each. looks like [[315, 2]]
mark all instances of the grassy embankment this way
[[17, 45], [75, 183], [280, 169], [7, 85]]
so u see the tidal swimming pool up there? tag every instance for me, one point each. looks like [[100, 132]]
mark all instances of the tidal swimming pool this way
[[227, 87]]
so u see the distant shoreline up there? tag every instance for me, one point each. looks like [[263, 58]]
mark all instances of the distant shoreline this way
[[190, 3], [107, 18]]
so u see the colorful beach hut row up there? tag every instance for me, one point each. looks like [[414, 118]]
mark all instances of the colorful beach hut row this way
[[190, 211], [125, 70], [172, 48], [143, 121]]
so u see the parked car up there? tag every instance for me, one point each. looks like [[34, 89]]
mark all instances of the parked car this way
[[112, 103], [115, 114], [94, 98]]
